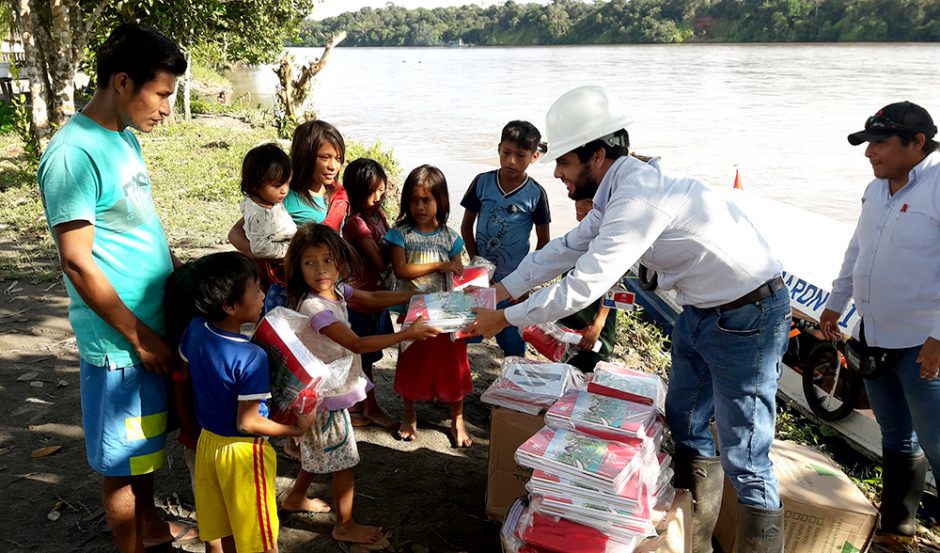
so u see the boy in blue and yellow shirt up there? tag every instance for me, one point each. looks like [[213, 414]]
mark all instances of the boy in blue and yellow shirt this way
[[235, 464], [505, 204]]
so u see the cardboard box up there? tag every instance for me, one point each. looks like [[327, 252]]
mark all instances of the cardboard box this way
[[823, 510], [506, 480], [674, 528]]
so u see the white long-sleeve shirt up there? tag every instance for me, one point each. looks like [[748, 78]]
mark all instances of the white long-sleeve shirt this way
[[892, 264], [694, 236], [269, 229]]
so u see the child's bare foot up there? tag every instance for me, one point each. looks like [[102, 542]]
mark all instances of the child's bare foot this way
[[408, 429], [307, 505], [353, 532], [380, 418], [459, 433]]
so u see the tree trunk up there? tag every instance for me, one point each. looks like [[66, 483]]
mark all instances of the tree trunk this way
[[33, 71], [187, 88], [62, 65]]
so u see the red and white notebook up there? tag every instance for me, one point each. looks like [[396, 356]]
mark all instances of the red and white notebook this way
[[601, 416], [603, 464], [553, 340], [531, 386], [472, 276], [449, 311], [296, 373], [564, 535], [623, 382]]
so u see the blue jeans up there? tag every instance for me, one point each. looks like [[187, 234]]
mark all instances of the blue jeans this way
[[727, 365], [510, 338], [906, 407]]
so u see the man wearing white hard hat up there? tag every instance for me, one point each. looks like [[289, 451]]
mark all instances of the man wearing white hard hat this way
[[730, 337]]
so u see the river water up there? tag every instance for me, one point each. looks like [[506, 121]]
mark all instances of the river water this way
[[779, 114]]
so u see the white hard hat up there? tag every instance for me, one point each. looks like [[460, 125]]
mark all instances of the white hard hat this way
[[579, 116]]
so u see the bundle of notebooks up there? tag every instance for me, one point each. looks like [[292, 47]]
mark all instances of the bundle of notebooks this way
[[554, 341], [449, 311], [611, 379], [598, 473], [531, 386]]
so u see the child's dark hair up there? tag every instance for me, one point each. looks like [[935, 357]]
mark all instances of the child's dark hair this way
[[264, 164], [433, 179], [314, 234], [361, 178], [523, 134], [179, 301], [308, 138], [222, 279], [140, 52]]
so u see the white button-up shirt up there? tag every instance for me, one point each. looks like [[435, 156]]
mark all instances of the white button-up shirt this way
[[694, 236], [892, 264]]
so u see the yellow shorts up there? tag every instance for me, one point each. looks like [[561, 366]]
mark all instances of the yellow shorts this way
[[235, 493]]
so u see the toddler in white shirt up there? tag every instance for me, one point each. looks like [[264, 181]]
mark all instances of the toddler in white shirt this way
[[265, 182]]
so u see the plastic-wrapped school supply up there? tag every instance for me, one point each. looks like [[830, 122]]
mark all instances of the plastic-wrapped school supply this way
[[601, 416], [531, 386], [478, 274], [554, 341], [562, 535], [622, 382], [601, 464], [298, 377], [449, 311]]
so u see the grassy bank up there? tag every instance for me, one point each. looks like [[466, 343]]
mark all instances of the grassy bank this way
[[194, 171]]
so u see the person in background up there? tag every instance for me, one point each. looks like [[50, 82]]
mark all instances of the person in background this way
[[727, 342], [365, 230], [595, 321], [892, 270], [505, 204], [114, 254]]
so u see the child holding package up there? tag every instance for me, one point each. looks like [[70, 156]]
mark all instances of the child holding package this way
[[365, 184], [235, 465], [424, 250], [505, 204], [595, 321], [317, 264]]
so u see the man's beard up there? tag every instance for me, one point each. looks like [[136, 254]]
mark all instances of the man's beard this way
[[585, 185]]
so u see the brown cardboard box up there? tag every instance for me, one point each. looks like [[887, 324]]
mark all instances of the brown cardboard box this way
[[506, 480], [674, 528], [823, 510]]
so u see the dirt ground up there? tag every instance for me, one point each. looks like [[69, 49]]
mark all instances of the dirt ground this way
[[428, 494]]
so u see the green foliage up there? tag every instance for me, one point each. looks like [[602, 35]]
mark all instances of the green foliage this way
[[645, 340], [23, 126], [634, 21], [7, 118]]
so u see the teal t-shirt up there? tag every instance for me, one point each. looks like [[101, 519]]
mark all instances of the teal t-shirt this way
[[89, 173], [302, 212]]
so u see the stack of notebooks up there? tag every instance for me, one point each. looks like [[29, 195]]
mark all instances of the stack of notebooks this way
[[611, 379], [530, 386], [449, 311], [598, 473]]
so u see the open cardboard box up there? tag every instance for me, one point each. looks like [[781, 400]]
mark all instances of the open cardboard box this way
[[824, 511], [506, 480]]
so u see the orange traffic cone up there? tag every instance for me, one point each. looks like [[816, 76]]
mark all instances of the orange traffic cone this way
[[737, 180]]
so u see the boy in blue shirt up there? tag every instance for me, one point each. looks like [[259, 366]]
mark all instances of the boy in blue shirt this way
[[235, 464], [505, 204]]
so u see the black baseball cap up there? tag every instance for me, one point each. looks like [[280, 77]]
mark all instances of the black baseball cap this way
[[897, 118]]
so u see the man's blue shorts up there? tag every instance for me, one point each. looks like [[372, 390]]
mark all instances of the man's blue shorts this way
[[124, 416]]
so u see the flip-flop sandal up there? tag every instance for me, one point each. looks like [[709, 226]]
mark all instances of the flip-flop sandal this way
[[179, 538]]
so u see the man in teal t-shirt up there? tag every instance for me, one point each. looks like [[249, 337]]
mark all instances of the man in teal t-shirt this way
[[115, 257]]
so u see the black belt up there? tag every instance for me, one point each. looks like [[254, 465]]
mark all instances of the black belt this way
[[762, 292]]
